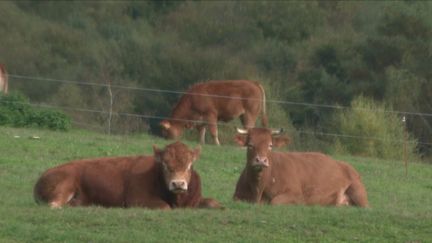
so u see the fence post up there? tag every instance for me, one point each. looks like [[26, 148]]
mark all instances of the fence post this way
[[110, 107], [405, 156]]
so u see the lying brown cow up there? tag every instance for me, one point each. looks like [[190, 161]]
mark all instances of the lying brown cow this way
[[206, 103], [165, 180], [3, 79], [293, 177]]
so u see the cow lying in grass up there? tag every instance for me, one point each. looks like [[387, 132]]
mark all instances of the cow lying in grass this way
[[165, 180], [294, 177]]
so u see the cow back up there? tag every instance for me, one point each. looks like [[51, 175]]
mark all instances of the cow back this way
[[104, 181], [313, 175], [101, 181], [227, 99]]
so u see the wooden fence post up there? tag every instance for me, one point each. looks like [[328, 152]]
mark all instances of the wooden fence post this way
[[110, 107], [405, 155]]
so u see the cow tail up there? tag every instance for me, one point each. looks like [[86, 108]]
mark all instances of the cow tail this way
[[264, 119]]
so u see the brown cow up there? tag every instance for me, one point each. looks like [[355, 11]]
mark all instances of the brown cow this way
[[3, 79], [206, 103], [294, 177], [165, 180]]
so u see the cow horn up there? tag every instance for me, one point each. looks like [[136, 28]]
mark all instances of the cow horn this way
[[277, 132], [241, 130]]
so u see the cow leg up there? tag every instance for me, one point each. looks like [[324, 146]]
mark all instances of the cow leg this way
[[62, 198], [209, 203], [55, 189], [158, 204], [287, 199], [79, 199], [247, 120], [357, 194], [342, 199], [212, 124], [202, 132], [148, 203]]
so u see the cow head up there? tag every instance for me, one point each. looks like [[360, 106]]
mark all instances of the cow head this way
[[259, 142], [176, 161], [171, 129]]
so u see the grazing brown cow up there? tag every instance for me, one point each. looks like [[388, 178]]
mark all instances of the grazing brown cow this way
[[294, 177], [165, 180], [206, 103], [3, 79]]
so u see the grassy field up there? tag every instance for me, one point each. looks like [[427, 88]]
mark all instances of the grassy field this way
[[401, 207]]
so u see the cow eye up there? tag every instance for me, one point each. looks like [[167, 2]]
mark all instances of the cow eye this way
[[270, 146], [250, 146], [166, 168]]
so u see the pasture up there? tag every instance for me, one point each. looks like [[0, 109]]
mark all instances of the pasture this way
[[401, 207]]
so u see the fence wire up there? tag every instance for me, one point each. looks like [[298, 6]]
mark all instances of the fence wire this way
[[283, 102], [144, 116], [120, 114]]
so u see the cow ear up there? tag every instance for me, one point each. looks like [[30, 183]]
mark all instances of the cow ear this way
[[240, 139], [157, 154], [165, 124], [196, 153], [281, 141]]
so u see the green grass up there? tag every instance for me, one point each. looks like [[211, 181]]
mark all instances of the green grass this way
[[401, 207]]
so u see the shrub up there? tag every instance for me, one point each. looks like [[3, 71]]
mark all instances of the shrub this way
[[15, 110], [372, 131], [51, 119]]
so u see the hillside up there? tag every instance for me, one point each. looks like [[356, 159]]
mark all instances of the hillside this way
[[401, 207], [313, 57]]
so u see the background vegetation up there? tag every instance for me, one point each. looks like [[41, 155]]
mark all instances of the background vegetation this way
[[15, 110], [315, 52], [401, 206], [337, 64]]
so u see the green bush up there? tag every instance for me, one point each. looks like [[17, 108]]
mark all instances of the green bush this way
[[15, 110], [372, 131], [51, 119]]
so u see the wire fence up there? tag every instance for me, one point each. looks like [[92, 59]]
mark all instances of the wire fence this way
[[284, 102], [196, 121], [148, 117]]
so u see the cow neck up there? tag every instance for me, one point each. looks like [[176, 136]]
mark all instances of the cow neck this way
[[191, 198], [258, 180], [182, 110]]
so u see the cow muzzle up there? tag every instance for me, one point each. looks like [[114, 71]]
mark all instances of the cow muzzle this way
[[178, 186], [261, 162]]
